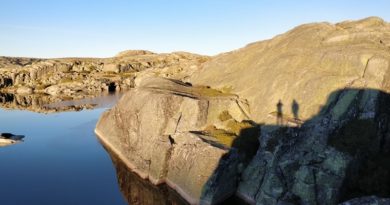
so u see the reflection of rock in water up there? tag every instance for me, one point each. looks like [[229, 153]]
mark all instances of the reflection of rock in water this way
[[37, 103], [7, 139], [141, 192]]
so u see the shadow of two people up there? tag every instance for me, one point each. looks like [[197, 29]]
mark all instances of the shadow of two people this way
[[359, 139], [280, 120]]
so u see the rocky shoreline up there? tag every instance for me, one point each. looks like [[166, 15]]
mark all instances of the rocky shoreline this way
[[78, 77]]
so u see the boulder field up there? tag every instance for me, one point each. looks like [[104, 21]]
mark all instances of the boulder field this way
[[303, 118], [80, 77]]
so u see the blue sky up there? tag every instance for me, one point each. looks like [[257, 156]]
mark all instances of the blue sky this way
[[102, 28]]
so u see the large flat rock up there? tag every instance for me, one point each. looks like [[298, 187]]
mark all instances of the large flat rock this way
[[157, 131]]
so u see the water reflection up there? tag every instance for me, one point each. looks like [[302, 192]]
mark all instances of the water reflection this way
[[60, 162], [7, 139], [43, 103], [138, 191]]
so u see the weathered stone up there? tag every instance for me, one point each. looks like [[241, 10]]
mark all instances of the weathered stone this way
[[114, 68], [95, 74], [369, 200], [302, 65], [24, 90], [155, 134], [53, 90], [326, 160]]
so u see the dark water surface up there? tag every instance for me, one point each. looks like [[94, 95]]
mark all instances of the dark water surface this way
[[62, 162]]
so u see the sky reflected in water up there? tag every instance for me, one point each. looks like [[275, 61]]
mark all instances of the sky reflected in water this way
[[59, 162]]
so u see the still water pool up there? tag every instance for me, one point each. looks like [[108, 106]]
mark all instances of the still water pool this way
[[61, 161]]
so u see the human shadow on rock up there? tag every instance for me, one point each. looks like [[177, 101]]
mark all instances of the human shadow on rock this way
[[341, 153]]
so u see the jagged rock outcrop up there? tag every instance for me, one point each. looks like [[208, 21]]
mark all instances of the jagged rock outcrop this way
[[75, 77]]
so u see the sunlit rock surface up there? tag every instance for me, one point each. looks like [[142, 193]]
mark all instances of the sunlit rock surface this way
[[78, 77], [304, 64], [160, 130]]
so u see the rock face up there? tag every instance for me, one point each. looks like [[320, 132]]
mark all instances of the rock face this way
[[305, 64], [137, 191], [372, 200], [333, 147], [76, 77], [341, 153], [158, 130]]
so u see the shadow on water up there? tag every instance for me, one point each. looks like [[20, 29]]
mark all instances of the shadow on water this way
[[357, 128]]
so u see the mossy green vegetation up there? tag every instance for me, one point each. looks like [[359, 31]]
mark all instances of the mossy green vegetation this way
[[208, 92], [24, 72], [127, 74], [71, 80], [41, 86], [222, 136], [225, 115], [227, 89], [241, 135], [66, 80]]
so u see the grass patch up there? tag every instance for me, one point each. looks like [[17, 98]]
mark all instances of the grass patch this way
[[70, 80], [127, 74], [24, 72], [241, 135], [66, 80], [41, 86], [110, 75], [225, 115], [209, 92], [92, 67], [227, 89], [236, 127], [222, 136]]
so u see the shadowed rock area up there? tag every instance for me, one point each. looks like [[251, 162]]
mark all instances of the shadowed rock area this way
[[342, 153]]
